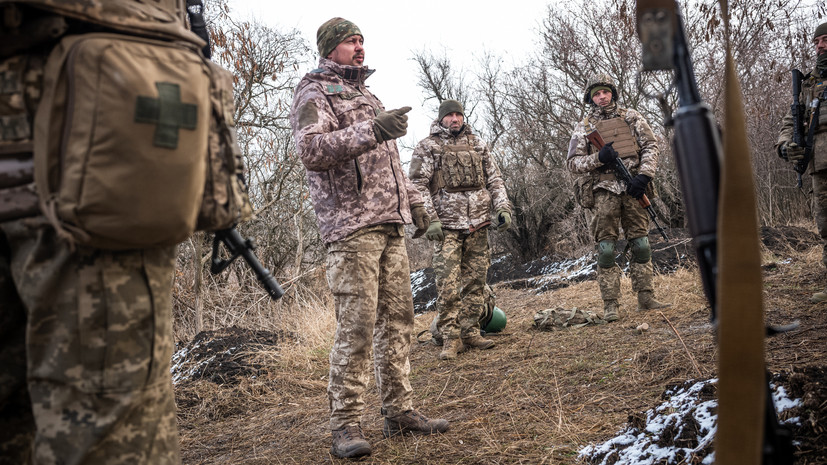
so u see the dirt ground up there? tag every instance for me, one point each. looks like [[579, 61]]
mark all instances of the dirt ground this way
[[538, 396]]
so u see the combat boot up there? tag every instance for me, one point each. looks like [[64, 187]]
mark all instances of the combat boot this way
[[413, 422], [610, 310], [819, 297], [349, 442], [477, 342], [646, 301], [450, 349]]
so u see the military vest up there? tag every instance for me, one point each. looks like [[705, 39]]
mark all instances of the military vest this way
[[814, 88], [459, 168], [617, 130]]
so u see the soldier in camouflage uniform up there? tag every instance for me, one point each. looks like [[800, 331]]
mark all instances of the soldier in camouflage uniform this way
[[85, 334], [460, 183], [362, 199], [813, 87], [628, 136]]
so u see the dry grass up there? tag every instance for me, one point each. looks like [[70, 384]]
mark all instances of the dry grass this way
[[536, 398]]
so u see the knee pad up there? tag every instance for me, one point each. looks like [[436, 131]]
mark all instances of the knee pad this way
[[606, 254], [641, 251]]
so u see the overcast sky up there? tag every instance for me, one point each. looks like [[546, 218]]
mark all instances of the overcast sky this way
[[393, 31]]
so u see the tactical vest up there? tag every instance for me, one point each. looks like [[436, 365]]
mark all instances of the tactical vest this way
[[617, 130], [814, 88], [459, 168]]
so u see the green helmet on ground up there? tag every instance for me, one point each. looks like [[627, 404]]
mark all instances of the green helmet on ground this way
[[595, 82]]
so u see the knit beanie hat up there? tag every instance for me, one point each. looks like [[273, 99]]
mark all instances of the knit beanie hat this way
[[820, 30], [332, 33], [596, 88], [449, 106]]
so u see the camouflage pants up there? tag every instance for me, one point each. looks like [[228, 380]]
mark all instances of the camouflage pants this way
[[85, 346], [611, 212], [461, 263], [370, 279], [820, 208]]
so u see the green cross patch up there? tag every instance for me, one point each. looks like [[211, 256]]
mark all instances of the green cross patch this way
[[335, 89], [167, 112]]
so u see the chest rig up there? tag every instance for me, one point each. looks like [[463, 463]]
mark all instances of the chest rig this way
[[814, 90], [459, 168]]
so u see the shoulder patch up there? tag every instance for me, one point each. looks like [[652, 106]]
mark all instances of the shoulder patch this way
[[335, 88], [317, 71]]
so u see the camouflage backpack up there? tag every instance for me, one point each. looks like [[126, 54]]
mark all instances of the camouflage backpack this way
[[135, 140], [561, 318]]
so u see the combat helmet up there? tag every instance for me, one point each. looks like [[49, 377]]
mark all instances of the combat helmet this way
[[599, 79]]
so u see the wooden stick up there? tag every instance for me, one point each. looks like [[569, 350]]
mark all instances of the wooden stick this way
[[691, 358]]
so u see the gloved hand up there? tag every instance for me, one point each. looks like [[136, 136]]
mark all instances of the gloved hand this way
[[503, 219], [434, 232], [389, 125], [420, 217], [793, 151], [607, 154], [638, 186]]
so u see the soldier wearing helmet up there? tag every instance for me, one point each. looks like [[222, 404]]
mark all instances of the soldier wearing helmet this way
[[612, 203], [812, 91]]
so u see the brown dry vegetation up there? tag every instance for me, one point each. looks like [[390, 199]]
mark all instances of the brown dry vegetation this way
[[537, 397]]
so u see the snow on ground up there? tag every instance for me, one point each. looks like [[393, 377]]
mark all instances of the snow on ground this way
[[679, 429]]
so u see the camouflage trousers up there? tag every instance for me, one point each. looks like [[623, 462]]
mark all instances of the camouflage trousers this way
[[461, 263], [370, 279], [820, 209], [85, 346], [611, 212]]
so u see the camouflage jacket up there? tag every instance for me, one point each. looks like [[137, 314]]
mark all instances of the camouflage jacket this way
[[457, 210], [812, 87], [582, 156], [354, 181]]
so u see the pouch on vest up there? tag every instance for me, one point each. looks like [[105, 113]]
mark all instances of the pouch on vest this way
[[226, 201], [462, 168], [121, 140]]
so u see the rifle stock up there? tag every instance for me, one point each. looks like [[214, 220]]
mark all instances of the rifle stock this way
[[623, 173], [698, 150]]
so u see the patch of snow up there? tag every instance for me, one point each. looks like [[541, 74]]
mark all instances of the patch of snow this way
[[683, 403]]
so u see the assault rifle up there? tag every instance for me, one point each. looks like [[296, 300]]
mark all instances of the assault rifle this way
[[237, 246], [797, 111], [623, 173], [698, 153]]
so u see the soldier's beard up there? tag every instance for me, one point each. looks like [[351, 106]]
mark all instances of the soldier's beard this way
[[821, 64]]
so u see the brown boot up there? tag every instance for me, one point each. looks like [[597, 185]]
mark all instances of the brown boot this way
[[646, 301], [610, 310], [450, 349], [349, 442], [478, 342], [413, 422]]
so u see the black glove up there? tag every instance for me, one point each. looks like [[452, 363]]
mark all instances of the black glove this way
[[638, 186], [390, 125], [607, 154]]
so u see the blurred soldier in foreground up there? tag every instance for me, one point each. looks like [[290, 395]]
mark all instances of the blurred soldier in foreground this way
[[106, 119], [612, 202], [362, 200], [460, 183], [810, 152]]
